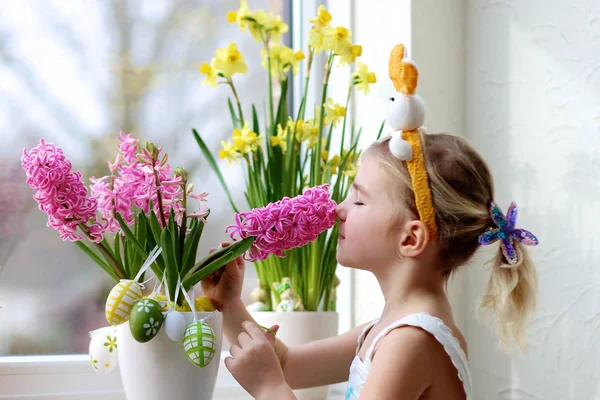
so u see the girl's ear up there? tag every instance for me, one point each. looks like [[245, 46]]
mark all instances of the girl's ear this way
[[413, 239]]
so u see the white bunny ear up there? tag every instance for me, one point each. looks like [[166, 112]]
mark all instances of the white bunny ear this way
[[400, 148]]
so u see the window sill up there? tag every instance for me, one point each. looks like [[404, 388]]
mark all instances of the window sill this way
[[71, 377]]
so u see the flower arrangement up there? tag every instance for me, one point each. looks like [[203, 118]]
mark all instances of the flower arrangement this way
[[140, 205], [293, 151], [145, 206]]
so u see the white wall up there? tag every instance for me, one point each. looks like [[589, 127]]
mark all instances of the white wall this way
[[520, 80], [533, 110]]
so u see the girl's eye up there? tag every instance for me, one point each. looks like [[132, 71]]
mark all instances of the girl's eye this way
[[358, 203]]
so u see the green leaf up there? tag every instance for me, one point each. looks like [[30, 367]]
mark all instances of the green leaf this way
[[127, 255], [213, 261], [166, 241], [255, 125], [96, 258], [117, 252], [236, 121], [282, 110], [155, 226], [174, 229], [151, 241], [215, 167], [192, 247], [110, 254], [131, 237], [380, 129]]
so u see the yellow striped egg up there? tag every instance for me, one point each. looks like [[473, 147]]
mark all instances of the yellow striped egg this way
[[121, 299]]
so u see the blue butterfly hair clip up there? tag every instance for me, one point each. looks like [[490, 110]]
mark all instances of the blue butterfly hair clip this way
[[506, 232]]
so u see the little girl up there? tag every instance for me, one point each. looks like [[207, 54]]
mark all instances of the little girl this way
[[411, 219]]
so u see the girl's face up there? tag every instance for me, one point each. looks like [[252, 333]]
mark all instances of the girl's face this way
[[368, 217]]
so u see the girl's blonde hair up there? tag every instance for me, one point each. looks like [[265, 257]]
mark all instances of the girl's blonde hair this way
[[462, 187]]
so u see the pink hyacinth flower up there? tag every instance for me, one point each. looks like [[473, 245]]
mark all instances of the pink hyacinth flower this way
[[60, 193], [287, 223]]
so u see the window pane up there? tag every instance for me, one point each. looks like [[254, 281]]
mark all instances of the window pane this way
[[76, 73]]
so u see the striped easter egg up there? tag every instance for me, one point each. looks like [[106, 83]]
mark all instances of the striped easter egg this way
[[121, 299], [199, 343]]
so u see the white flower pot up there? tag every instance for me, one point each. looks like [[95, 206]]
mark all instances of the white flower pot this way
[[296, 328], [160, 370]]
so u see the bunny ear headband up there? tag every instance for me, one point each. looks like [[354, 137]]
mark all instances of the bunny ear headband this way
[[406, 113]]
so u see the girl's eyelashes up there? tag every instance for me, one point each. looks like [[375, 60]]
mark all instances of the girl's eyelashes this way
[[358, 203]]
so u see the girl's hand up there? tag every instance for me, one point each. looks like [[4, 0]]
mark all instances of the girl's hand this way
[[224, 286], [255, 365]]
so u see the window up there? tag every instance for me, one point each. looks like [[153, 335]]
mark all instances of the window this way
[[76, 73]]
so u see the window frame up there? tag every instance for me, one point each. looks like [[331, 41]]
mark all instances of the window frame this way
[[66, 377]]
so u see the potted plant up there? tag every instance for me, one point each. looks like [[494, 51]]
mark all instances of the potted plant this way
[[293, 149], [137, 218]]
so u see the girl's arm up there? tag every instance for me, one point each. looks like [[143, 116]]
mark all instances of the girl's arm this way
[[318, 363]]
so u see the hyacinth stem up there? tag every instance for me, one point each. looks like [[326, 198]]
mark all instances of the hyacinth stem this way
[[158, 194], [105, 252], [183, 228]]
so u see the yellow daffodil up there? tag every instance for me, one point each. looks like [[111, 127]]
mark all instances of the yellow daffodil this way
[[334, 112], [292, 59], [280, 139], [228, 152], [230, 61], [211, 74], [337, 39], [316, 39], [324, 154], [244, 140], [275, 27], [310, 131], [282, 59], [322, 19], [350, 53], [351, 171], [243, 16], [362, 78], [300, 129], [334, 163], [351, 158]]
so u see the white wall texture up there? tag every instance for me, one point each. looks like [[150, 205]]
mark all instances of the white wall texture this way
[[520, 79]]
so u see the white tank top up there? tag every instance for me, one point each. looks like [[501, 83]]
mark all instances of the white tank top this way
[[435, 326]]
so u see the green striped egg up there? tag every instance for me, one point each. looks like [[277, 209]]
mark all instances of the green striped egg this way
[[199, 343]]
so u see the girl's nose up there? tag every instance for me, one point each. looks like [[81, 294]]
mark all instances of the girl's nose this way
[[339, 210]]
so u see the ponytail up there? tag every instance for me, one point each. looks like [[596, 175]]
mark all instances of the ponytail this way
[[510, 297]]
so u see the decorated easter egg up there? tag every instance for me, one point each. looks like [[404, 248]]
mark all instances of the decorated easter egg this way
[[145, 320], [175, 325], [103, 350], [199, 343], [121, 299]]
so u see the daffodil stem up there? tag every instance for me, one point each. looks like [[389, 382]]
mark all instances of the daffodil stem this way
[[237, 100], [273, 129], [317, 155], [302, 109], [345, 118]]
